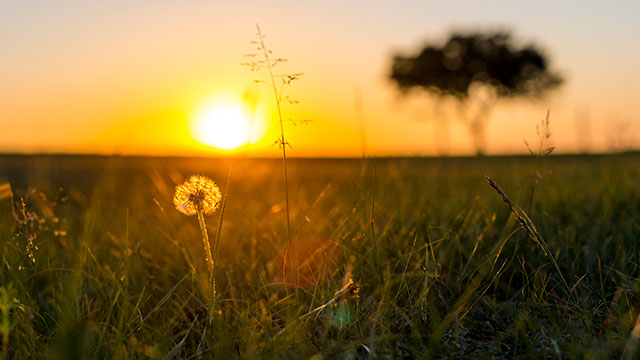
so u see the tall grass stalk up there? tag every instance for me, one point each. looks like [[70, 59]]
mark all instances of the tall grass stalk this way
[[530, 228], [6, 302], [282, 141], [371, 221], [544, 149]]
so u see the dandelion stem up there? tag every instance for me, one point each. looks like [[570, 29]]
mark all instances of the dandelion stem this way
[[210, 266], [216, 247], [205, 241], [200, 196]]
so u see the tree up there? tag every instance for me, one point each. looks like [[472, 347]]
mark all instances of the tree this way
[[475, 69]]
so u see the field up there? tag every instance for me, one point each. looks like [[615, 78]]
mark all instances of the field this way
[[392, 258]]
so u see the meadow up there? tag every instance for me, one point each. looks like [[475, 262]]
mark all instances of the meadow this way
[[394, 258]]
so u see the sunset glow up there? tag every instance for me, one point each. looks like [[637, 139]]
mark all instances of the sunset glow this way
[[72, 82], [222, 125]]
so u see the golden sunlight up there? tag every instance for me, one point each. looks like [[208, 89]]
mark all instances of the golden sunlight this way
[[224, 125]]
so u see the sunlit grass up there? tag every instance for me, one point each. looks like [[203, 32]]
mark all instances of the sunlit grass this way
[[117, 269]]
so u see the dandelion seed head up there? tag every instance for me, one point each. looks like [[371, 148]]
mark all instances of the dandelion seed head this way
[[197, 193]]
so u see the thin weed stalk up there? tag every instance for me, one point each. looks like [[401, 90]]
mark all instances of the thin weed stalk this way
[[283, 143], [6, 302], [371, 222], [543, 130], [529, 227]]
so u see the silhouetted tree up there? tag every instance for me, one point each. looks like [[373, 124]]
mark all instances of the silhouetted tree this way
[[475, 69]]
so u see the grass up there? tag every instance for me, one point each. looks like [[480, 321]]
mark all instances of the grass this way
[[264, 59], [444, 271]]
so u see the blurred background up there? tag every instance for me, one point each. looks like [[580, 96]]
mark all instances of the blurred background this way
[[150, 78]]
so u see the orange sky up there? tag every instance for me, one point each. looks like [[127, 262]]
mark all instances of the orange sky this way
[[125, 77]]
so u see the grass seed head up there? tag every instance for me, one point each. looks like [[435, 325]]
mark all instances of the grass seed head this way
[[350, 290], [197, 193]]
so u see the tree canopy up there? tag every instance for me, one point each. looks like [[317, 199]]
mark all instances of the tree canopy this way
[[486, 58]]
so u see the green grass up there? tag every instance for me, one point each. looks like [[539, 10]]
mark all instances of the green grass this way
[[120, 274]]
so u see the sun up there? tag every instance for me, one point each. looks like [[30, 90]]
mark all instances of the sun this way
[[224, 125]]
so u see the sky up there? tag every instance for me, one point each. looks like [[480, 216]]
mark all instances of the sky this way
[[127, 77]]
